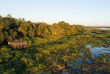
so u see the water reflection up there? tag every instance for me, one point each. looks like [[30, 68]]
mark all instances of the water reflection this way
[[96, 51], [93, 33], [106, 28]]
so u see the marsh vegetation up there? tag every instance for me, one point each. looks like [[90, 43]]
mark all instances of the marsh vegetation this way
[[55, 48]]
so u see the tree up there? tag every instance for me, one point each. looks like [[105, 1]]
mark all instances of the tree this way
[[56, 29], [43, 30], [65, 26]]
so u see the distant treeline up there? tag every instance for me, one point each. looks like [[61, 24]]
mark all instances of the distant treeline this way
[[12, 28]]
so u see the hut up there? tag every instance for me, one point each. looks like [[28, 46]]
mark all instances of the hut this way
[[17, 44]]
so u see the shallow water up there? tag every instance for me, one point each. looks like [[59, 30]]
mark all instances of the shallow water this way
[[106, 28], [93, 33], [96, 51]]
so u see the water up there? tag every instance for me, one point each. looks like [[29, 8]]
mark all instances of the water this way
[[81, 54], [93, 33], [96, 51], [106, 28]]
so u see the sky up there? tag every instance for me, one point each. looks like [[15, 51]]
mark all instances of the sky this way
[[82, 12]]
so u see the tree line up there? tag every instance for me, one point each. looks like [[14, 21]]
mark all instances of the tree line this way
[[12, 28], [49, 47]]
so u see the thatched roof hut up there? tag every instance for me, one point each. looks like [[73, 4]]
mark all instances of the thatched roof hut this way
[[17, 44]]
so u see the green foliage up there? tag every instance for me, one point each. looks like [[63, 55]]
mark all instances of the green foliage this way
[[49, 46], [56, 29], [65, 26]]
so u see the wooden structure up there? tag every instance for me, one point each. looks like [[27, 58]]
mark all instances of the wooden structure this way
[[18, 44]]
